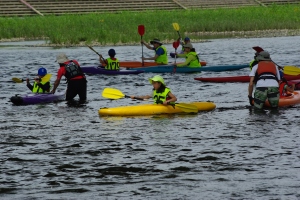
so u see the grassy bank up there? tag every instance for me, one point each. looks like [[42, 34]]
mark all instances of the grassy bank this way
[[122, 27]]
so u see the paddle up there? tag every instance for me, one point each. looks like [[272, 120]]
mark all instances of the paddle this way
[[46, 78], [176, 28], [96, 52], [112, 93], [175, 45], [141, 30], [291, 70]]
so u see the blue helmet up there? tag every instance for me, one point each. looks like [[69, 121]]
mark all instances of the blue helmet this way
[[42, 71], [186, 39], [112, 52]]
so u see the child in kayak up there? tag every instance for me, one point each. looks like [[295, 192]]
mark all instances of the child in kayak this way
[[38, 85], [192, 59], [161, 94], [110, 63], [285, 89]]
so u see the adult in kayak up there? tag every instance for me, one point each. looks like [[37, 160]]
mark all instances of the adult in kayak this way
[[38, 85], [75, 78], [265, 75], [110, 63], [192, 59], [186, 41], [160, 56], [161, 93]]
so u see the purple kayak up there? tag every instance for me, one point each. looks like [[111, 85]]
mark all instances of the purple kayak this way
[[100, 70], [32, 98]]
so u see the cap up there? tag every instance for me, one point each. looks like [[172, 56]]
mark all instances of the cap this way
[[157, 78]]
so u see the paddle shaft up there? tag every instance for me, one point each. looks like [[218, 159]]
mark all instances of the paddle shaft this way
[[95, 51], [142, 50]]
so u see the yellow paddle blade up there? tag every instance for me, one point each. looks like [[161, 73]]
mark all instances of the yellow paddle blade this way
[[176, 26], [185, 107], [112, 93], [291, 70], [46, 78], [17, 80]]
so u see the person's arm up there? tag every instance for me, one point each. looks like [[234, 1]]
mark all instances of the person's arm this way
[[29, 85], [102, 60], [172, 98], [290, 88], [45, 87], [180, 55], [147, 45], [56, 83], [250, 90], [141, 97], [187, 61], [159, 52]]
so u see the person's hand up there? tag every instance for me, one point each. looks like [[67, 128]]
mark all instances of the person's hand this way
[[143, 58], [166, 103], [38, 80], [52, 91], [132, 97], [27, 80], [100, 56], [142, 42], [250, 100]]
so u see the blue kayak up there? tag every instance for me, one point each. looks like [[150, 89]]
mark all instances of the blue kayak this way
[[101, 70], [170, 68], [39, 98]]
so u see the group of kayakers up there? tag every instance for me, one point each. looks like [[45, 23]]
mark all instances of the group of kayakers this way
[[265, 75]]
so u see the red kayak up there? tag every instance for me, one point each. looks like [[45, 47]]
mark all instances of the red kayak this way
[[238, 78]]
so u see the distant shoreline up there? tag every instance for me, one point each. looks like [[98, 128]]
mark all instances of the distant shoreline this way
[[208, 35]]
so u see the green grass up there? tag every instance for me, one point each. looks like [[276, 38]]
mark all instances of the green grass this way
[[122, 27]]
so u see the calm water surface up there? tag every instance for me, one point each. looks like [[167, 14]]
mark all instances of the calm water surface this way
[[54, 151]]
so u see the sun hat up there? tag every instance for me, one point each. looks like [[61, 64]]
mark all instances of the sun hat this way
[[263, 55], [111, 52], [188, 45], [61, 58], [155, 40], [157, 78], [42, 71], [186, 39]]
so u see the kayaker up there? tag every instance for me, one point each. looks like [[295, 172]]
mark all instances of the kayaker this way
[[265, 76], [160, 56], [110, 63], [192, 59], [186, 41], [76, 80], [161, 93], [38, 85], [285, 89]]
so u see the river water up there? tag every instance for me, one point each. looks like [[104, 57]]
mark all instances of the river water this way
[[55, 151]]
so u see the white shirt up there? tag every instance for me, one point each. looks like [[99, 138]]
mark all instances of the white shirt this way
[[265, 82]]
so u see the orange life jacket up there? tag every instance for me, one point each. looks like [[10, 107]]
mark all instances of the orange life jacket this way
[[266, 68]]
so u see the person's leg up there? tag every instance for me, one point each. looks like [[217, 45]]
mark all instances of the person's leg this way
[[71, 90], [273, 96], [82, 86], [260, 97]]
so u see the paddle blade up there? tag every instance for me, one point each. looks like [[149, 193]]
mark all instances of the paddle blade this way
[[185, 107], [17, 80], [112, 93], [176, 26], [176, 44], [141, 30], [291, 70], [257, 49]]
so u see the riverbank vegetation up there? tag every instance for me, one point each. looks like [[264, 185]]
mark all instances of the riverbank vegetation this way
[[121, 27]]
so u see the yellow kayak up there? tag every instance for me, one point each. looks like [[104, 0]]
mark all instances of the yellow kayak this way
[[152, 109]]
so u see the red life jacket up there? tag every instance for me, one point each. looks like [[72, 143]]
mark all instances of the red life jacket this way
[[266, 68]]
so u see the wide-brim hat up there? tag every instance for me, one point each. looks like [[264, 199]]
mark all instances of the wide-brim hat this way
[[155, 40], [157, 78], [188, 45], [263, 55], [61, 58]]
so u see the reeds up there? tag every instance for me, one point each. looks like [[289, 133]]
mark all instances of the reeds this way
[[122, 27]]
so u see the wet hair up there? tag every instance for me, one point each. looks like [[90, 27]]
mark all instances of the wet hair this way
[[161, 88]]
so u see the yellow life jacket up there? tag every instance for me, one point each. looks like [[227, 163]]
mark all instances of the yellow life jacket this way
[[37, 89], [159, 98], [195, 62], [162, 59], [112, 64]]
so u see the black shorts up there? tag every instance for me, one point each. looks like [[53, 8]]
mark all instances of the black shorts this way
[[76, 87]]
